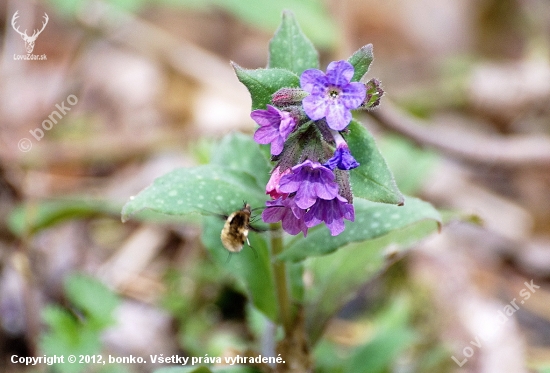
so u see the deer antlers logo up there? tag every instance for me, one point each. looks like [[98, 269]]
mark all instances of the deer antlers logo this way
[[29, 40]]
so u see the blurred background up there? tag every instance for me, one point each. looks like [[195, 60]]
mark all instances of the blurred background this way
[[143, 87]]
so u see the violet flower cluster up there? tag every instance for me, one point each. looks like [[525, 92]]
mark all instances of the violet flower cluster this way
[[310, 182]]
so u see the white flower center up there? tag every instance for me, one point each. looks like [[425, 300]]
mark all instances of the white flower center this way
[[333, 93]]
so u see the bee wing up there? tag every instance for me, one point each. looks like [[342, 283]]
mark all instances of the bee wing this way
[[211, 213]]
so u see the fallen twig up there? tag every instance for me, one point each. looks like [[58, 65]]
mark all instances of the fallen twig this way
[[505, 151]]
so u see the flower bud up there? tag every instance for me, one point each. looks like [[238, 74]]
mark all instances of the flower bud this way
[[374, 94], [288, 97]]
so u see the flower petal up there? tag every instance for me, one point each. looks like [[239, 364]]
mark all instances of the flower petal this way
[[272, 187], [265, 135], [312, 80], [331, 212], [287, 125], [277, 145], [342, 159], [339, 73], [315, 106], [310, 180], [305, 196], [332, 95], [353, 95], [336, 227], [282, 210], [338, 117], [273, 212], [269, 117]]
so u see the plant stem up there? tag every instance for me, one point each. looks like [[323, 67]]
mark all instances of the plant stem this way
[[279, 270]]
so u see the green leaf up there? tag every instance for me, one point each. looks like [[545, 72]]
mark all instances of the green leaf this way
[[66, 7], [373, 179], [312, 15], [361, 61], [290, 49], [337, 277], [93, 298], [32, 217], [67, 336], [239, 152], [328, 356], [128, 5], [72, 334], [258, 324], [251, 266], [209, 189], [372, 220], [262, 83], [61, 321], [381, 351], [392, 337], [411, 165], [72, 7]]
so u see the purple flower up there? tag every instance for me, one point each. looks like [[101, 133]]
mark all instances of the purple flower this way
[[342, 159], [332, 212], [285, 210], [272, 187], [331, 95], [275, 126], [310, 180]]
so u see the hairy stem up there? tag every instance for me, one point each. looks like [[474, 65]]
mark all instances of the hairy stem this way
[[279, 270]]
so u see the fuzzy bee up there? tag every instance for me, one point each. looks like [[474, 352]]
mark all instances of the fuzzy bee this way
[[235, 230]]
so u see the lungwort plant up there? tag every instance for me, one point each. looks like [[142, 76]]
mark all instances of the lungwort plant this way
[[330, 203]]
